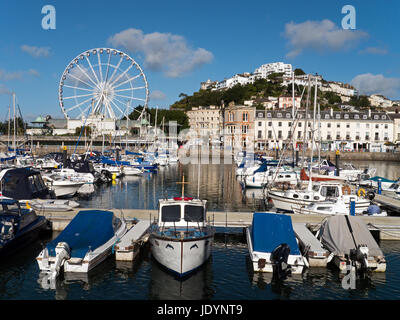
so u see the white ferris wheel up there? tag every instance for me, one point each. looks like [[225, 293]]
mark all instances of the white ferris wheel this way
[[104, 82]]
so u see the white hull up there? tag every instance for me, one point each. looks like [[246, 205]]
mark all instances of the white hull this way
[[296, 262], [286, 204], [66, 189], [91, 259], [181, 256]]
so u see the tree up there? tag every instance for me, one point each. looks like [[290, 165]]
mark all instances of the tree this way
[[299, 72]]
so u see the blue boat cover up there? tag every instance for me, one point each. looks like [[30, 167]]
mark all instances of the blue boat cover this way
[[88, 228], [376, 178], [269, 230]]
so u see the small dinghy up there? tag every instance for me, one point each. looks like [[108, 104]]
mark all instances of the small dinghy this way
[[83, 244], [19, 227], [273, 246], [351, 243]]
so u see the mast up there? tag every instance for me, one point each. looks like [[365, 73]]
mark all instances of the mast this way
[[293, 117], [14, 136], [313, 133], [305, 121]]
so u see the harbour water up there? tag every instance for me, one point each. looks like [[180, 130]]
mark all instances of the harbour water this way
[[226, 276]]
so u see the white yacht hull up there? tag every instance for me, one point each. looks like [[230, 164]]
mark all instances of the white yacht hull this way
[[286, 204], [181, 255]]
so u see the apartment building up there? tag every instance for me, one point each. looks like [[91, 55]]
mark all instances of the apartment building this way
[[206, 121], [239, 126], [359, 131]]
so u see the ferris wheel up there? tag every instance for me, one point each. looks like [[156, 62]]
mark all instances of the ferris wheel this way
[[104, 82]]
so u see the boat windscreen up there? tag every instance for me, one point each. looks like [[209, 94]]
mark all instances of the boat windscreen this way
[[171, 213], [194, 213]]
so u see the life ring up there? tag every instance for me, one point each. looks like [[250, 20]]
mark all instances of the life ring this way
[[361, 191], [346, 190]]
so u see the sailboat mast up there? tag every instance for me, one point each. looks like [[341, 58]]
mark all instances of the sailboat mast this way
[[14, 137], [305, 121]]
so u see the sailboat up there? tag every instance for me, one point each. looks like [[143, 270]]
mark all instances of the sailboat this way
[[181, 239]]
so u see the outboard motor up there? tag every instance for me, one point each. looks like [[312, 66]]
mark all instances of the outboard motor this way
[[370, 195], [279, 258], [359, 258]]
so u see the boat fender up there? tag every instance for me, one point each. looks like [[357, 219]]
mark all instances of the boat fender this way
[[361, 192], [113, 246]]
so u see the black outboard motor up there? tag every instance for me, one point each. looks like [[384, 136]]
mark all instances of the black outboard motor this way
[[279, 258]]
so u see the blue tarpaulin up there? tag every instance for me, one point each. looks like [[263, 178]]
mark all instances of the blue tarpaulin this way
[[269, 230], [88, 228]]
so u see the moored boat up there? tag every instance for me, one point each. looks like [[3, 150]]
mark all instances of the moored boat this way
[[19, 227], [83, 244], [181, 239], [273, 246]]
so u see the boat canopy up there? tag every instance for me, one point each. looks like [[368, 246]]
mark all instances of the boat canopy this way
[[269, 230], [23, 184], [88, 230], [337, 234]]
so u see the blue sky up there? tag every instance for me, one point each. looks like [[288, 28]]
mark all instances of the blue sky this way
[[200, 40]]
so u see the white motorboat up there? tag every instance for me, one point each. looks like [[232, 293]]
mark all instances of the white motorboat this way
[[296, 198], [162, 159], [62, 186], [274, 175], [331, 207], [46, 164], [85, 243], [181, 239], [273, 246], [132, 171]]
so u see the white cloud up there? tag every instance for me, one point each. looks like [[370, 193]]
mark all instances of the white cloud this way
[[6, 76], [321, 36], [17, 75], [164, 52], [157, 95], [36, 52], [374, 50], [369, 83]]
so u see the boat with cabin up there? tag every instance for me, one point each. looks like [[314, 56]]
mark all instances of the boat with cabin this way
[[320, 191], [19, 226], [181, 239]]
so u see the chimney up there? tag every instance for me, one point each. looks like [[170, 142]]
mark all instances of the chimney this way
[[332, 112], [369, 112]]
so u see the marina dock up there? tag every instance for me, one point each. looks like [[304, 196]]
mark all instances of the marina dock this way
[[387, 228]]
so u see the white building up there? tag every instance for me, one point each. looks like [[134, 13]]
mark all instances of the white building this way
[[378, 100], [205, 121], [277, 67], [241, 79], [359, 131]]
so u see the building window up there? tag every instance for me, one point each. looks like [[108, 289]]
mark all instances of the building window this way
[[327, 116], [259, 123], [279, 134], [279, 124], [245, 116], [329, 125], [259, 134], [356, 116], [338, 125], [270, 124], [347, 125], [269, 134], [245, 129]]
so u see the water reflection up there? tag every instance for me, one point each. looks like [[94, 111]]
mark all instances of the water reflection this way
[[165, 286]]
